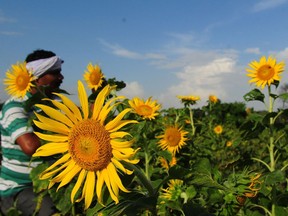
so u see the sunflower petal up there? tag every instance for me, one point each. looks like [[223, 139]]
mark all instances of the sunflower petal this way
[[56, 128], [83, 99], [112, 124], [79, 182], [70, 175], [63, 159], [121, 167], [115, 180], [51, 149], [99, 186], [66, 110], [108, 184], [53, 138], [71, 105], [55, 114], [100, 101], [89, 188]]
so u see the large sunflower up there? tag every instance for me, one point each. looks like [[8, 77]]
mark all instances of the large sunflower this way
[[173, 139], [91, 145], [265, 72], [146, 109], [93, 76], [18, 80]]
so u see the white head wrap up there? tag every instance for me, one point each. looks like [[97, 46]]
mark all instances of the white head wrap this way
[[41, 66]]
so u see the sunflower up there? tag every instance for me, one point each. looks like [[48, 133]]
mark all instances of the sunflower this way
[[93, 76], [19, 80], [173, 139], [213, 99], [146, 109], [174, 190], [91, 146], [265, 72], [189, 100], [229, 143], [218, 129]]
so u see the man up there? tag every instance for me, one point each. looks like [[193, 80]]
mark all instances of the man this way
[[18, 142]]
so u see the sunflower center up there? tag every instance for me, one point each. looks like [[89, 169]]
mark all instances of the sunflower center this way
[[22, 82], [172, 136], [266, 72], [95, 78], [145, 110], [89, 145]]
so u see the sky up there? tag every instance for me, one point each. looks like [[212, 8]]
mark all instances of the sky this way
[[159, 48]]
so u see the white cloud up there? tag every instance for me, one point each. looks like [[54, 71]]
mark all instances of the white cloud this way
[[282, 55], [119, 51], [268, 4], [4, 19], [125, 53], [132, 89], [201, 80], [254, 50]]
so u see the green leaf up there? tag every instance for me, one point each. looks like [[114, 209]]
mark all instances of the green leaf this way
[[203, 176], [277, 176], [61, 198], [280, 210], [266, 119], [283, 96], [254, 95], [191, 192], [39, 185], [203, 166]]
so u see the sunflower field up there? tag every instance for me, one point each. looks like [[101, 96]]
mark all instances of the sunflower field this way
[[111, 155]]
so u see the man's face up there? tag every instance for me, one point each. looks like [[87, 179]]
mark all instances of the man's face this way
[[53, 79]]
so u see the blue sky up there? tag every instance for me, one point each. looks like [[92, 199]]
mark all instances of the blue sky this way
[[159, 48]]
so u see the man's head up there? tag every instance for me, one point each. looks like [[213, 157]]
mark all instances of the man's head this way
[[46, 66]]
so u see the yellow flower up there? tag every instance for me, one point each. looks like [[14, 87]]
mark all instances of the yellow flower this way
[[91, 146], [164, 163], [93, 76], [229, 143], [173, 139], [174, 190], [265, 71], [173, 162], [146, 109], [248, 111], [218, 129], [18, 80], [213, 99], [189, 99]]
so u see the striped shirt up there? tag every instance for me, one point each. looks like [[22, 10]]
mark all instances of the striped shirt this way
[[15, 165]]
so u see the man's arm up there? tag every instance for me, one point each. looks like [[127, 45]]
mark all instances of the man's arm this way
[[29, 143]]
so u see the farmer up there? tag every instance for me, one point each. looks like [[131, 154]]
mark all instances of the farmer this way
[[18, 142]]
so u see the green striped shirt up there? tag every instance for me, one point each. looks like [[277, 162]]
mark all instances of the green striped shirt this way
[[15, 165]]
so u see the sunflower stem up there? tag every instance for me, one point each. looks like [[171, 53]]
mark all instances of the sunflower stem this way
[[147, 165], [141, 176], [271, 149], [73, 210], [271, 139], [192, 120]]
